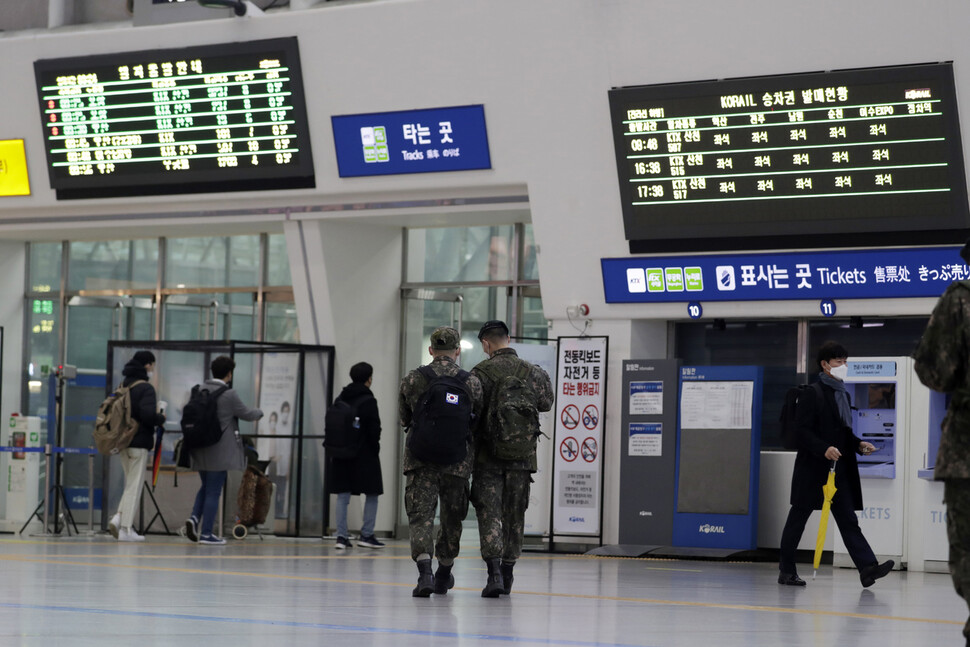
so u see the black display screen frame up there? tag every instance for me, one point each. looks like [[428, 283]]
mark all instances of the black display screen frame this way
[[817, 222], [159, 182]]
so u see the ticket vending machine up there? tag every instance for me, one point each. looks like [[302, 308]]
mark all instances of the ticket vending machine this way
[[879, 388]]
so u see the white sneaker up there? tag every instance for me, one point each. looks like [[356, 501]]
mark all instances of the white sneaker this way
[[129, 534], [114, 525]]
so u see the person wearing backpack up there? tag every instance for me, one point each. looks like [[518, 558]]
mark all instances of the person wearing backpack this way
[[134, 458], [942, 360], [505, 446], [359, 472], [214, 461], [824, 435], [438, 478]]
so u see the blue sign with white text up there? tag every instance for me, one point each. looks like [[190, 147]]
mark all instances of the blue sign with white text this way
[[412, 141], [839, 274]]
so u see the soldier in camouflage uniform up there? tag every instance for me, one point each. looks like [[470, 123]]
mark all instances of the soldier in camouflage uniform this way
[[500, 488], [943, 364], [427, 484]]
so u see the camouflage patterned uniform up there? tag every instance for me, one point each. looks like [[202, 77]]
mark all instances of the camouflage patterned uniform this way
[[500, 488], [942, 365], [428, 483]]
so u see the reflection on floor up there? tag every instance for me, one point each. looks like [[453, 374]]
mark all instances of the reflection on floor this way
[[285, 592]]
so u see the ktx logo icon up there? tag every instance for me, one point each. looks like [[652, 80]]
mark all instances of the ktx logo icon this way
[[636, 280], [725, 278]]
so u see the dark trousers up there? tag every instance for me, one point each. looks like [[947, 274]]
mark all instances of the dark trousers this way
[[206, 506], [956, 494], [844, 516]]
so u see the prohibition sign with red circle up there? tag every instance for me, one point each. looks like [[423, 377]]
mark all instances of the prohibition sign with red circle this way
[[589, 449], [568, 449], [570, 416], [591, 416]]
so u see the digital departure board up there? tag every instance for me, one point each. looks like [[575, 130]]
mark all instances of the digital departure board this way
[[226, 117], [848, 158]]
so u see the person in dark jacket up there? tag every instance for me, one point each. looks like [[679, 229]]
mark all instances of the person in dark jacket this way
[[362, 473], [942, 363], [214, 462], [134, 459], [824, 436]]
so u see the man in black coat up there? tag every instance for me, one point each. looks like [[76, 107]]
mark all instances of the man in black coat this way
[[134, 459], [362, 473], [824, 435]]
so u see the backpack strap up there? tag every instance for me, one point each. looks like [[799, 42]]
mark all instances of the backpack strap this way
[[427, 372], [494, 373], [359, 400], [222, 389]]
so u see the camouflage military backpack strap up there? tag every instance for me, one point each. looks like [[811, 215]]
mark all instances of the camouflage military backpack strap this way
[[512, 425]]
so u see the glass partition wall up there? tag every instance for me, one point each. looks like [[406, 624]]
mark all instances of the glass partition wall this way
[[81, 294], [465, 276]]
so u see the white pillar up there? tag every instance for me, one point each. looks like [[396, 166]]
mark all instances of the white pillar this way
[[60, 13]]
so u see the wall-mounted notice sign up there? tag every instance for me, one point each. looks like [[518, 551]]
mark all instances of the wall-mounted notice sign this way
[[412, 141], [578, 473], [852, 274], [646, 398], [13, 168]]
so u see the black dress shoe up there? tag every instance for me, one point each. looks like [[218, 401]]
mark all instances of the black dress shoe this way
[[790, 579], [873, 572]]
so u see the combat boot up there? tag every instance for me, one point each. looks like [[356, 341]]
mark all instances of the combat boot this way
[[425, 580], [493, 585], [443, 579], [507, 577]]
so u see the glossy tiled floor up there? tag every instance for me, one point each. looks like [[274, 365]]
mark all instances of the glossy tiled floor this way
[[284, 592]]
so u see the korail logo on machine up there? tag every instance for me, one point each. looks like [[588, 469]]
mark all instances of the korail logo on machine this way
[[708, 528]]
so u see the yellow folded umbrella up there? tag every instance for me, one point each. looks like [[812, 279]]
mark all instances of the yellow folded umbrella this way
[[828, 491]]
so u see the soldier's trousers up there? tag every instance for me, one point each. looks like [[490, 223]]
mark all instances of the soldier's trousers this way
[[956, 494], [423, 490], [500, 498]]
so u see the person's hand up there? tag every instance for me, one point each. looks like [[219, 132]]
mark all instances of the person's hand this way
[[833, 454], [866, 448]]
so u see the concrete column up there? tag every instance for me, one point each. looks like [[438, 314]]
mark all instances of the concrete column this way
[[60, 13]]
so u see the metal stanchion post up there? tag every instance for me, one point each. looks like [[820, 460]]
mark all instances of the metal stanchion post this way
[[47, 487], [90, 531]]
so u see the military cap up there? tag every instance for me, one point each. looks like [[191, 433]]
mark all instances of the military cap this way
[[445, 338], [489, 326]]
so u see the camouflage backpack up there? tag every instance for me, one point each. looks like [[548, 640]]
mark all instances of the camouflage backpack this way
[[512, 426]]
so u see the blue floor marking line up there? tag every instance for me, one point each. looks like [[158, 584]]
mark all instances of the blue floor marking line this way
[[315, 625]]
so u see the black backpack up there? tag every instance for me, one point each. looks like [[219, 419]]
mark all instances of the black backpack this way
[[789, 424], [441, 420], [342, 428], [200, 418]]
